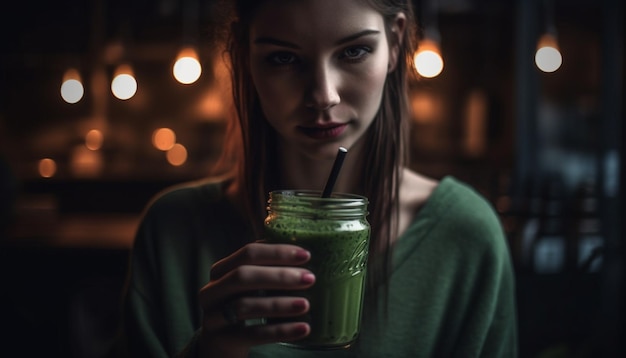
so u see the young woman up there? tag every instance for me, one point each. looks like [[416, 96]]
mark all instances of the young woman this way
[[310, 76]]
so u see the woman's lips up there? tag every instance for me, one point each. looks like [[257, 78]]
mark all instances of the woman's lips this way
[[324, 132]]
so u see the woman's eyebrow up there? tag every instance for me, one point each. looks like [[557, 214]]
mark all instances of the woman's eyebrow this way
[[267, 40], [273, 41], [359, 34]]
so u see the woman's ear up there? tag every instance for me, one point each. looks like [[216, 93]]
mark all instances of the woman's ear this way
[[395, 40]]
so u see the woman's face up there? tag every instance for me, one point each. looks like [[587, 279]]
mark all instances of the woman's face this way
[[319, 67]]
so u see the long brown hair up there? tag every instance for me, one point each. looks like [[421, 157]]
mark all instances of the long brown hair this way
[[249, 154]]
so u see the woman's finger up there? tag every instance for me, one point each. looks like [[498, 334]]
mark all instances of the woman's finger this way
[[248, 308], [261, 254], [254, 309], [271, 333], [250, 278]]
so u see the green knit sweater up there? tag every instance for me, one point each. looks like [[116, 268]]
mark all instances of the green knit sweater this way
[[451, 289]]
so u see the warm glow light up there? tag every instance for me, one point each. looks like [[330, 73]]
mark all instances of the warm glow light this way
[[47, 168], [72, 89], [124, 85], [426, 107], [428, 60], [187, 68], [163, 139], [548, 57], [211, 104], [476, 110], [85, 162], [94, 139], [177, 155]]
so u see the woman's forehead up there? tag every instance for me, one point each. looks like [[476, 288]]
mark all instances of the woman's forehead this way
[[314, 19]]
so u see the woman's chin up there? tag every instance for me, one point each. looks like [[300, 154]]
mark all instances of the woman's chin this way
[[325, 153]]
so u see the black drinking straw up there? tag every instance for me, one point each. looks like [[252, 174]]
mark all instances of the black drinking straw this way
[[334, 173]]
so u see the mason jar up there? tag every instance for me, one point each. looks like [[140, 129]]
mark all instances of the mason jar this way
[[336, 232]]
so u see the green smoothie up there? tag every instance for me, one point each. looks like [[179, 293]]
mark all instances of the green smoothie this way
[[338, 243]]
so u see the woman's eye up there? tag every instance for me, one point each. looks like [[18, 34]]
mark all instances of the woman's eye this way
[[282, 58], [355, 53]]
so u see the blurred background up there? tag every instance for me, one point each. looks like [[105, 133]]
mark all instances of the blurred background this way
[[523, 99]]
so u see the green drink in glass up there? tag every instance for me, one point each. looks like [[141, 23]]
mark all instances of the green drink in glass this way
[[336, 232]]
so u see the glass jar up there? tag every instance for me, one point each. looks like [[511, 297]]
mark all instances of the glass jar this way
[[336, 232]]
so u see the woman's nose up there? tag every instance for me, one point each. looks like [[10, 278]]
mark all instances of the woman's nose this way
[[323, 93]]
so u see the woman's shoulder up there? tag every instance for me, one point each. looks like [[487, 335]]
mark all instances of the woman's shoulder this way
[[464, 202], [466, 217], [183, 215], [190, 219], [457, 210], [448, 195]]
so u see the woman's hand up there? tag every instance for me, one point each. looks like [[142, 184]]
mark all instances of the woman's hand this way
[[229, 299]]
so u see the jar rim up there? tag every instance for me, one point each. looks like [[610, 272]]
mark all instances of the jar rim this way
[[317, 195], [310, 202]]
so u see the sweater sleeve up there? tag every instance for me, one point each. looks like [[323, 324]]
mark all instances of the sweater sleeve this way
[[143, 322], [175, 245], [501, 337]]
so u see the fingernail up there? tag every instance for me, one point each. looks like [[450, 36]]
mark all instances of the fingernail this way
[[307, 278], [302, 255], [299, 305], [301, 329]]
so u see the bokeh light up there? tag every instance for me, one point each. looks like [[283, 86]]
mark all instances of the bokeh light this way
[[187, 68], [124, 84], [163, 139], [94, 139], [548, 57], [177, 155], [47, 168], [72, 90], [428, 60]]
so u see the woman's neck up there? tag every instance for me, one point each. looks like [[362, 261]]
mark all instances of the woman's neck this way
[[304, 172]]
